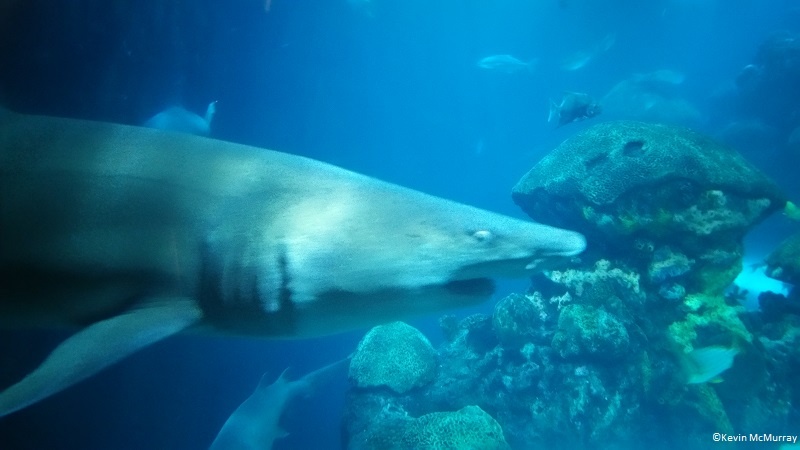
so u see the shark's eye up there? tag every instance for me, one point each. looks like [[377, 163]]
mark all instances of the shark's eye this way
[[483, 235]]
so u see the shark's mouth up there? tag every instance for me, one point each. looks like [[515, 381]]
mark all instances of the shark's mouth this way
[[480, 287]]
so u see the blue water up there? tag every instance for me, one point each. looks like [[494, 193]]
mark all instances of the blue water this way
[[394, 93]]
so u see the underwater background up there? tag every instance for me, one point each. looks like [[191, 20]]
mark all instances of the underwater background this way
[[392, 89]]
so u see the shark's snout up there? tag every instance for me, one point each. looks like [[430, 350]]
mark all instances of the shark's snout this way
[[560, 245], [570, 244]]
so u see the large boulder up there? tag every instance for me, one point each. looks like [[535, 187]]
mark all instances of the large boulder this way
[[396, 356], [624, 176], [636, 188]]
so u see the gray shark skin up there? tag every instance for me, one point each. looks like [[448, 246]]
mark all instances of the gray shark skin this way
[[133, 234], [255, 424]]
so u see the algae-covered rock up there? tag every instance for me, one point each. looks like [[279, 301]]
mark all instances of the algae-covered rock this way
[[473, 331], [784, 263], [631, 187], [708, 315], [598, 284], [588, 332], [667, 264], [515, 320], [395, 355], [619, 178]]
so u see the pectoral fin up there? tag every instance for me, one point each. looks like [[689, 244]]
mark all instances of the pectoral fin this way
[[97, 347]]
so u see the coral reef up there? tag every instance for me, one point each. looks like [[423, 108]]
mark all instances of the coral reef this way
[[396, 355], [519, 319], [603, 278], [585, 332], [709, 315], [468, 428], [667, 264], [660, 200], [622, 181], [595, 355]]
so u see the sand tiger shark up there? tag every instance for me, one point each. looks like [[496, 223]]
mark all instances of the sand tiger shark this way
[[255, 424], [130, 235]]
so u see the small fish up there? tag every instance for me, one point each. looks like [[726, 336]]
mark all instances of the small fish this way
[[179, 119], [704, 365], [506, 64], [792, 211], [574, 107]]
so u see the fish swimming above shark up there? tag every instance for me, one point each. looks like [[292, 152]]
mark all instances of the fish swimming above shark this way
[[507, 64], [177, 118], [130, 235], [255, 424]]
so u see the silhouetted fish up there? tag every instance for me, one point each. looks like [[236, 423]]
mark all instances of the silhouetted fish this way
[[574, 107], [506, 64]]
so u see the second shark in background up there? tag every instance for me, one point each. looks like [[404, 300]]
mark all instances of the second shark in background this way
[[256, 422]]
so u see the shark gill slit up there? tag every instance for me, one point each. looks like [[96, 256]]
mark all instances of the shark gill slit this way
[[244, 306], [287, 316]]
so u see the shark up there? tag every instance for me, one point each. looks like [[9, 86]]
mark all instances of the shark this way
[[254, 425], [127, 235]]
